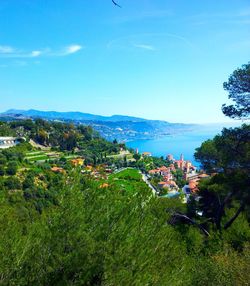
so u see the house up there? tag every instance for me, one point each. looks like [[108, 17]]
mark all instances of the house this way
[[168, 177], [163, 171], [191, 176], [203, 176], [170, 184], [167, 184], [153, 172], [89, 168], [193, 186], [77, 162], [190, 189], [104, 185], [6, 142], [58, 170], [146, 154]]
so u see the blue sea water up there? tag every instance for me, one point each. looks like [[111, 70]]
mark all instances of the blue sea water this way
[[178, 144]]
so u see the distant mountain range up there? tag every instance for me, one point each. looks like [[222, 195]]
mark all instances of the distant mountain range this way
[[72, 115], [120, 127]]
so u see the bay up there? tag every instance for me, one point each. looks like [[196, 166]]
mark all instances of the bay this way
[[178, 144]]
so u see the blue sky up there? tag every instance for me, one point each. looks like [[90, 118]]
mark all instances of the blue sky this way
[[156, 59]]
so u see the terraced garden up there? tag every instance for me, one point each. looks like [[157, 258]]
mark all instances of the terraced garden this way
[[42, 155]]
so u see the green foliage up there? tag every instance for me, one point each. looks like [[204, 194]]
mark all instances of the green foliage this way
[[137, 156], [238, 87], [228, 155], [178, 174], [67, 229], [2, 170], [3, 159], [95, 236], [13, 183], [12, 168]]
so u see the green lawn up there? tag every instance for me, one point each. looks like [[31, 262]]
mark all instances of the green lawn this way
[[128, 174], [129, 180]]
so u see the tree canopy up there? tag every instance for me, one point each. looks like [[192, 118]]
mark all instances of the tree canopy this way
[[238, 87], [227, 157]]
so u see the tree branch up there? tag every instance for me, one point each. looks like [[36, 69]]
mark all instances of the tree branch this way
[[188, 220], [221, 209], [230, 222]]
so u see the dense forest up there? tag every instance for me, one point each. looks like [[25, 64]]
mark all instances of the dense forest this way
[[68, 228]]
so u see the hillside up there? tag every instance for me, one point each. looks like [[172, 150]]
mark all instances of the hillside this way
[[80, 212], [120, 127]]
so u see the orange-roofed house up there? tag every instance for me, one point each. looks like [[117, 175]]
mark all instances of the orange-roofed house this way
[[153, 172], [89, 168], [171, 184], [58, 170], [104, 185], [164, 168], [203, 176], [168, 184], [77, 162], [146, 154], [193, 186]]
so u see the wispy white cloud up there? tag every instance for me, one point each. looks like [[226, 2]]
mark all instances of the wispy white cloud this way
[[36, 54], [144, 47], [159, 40], [73, 49], [11, 52]]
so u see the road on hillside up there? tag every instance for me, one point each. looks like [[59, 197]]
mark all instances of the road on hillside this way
[[145, 179]]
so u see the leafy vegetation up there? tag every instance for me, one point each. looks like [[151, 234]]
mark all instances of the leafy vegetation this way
[[74, 224], [238, 87], [103, 236]]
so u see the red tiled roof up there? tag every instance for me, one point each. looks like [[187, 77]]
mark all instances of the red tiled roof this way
[[57, 169], [203, 176]]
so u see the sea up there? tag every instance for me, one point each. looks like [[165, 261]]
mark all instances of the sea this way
[[182, 143]]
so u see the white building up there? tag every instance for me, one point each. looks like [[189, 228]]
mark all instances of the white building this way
[[6, 142]]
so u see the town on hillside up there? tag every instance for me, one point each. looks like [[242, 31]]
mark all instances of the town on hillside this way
[[175, 178], [167, 178]]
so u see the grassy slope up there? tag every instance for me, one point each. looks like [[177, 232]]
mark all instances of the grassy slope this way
[[129, 180]]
